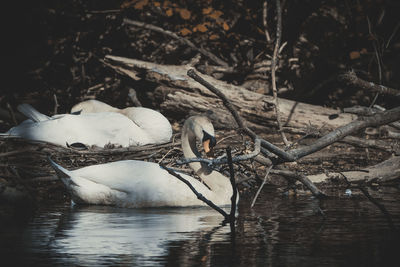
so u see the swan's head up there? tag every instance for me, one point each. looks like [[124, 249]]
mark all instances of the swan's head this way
[[203, 129], [91, 106]]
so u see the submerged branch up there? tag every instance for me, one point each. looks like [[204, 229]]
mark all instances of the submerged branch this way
[[303, 179], [234, 188]]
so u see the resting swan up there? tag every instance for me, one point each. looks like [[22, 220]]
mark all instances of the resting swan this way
[[97, 129], [134, 184], [150, 121]]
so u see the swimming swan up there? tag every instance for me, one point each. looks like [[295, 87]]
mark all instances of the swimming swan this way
[[150, 121], [134, 184], [97, 129]]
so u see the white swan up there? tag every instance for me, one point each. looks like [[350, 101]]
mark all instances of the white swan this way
[[132, 183], [97, 129], [150, 121]]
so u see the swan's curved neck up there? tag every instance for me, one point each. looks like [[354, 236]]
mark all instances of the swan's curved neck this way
[[215, 180], [190, 150]]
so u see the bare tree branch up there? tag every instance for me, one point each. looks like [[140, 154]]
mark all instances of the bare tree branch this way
[[265, 13], [224, 160], [303, 179], [292, 155], [261, 186], [234, 188], [273, 67], [352, 79], [380, 206], [56, 105], [354, 126], [199, 196]]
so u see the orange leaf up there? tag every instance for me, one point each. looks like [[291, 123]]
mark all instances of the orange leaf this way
[[207, 11], [185, 31], [213, 37], [201, 28], [166, 3], [354, 55], [157, 4], [169, 12], [363, 51], [225, 26], [127, 4], [216, 14], [141, 4], [185, 14]]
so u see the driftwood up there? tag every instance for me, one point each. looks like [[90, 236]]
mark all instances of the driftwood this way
[[181, 94], [352, 79], [383, 172]]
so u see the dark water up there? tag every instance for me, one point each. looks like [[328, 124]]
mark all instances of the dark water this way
[[278, 231]]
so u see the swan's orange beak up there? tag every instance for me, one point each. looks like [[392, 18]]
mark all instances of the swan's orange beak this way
[[206, 145], [208, 148]]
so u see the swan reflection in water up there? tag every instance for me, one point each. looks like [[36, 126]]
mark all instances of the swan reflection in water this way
[[86, 235]]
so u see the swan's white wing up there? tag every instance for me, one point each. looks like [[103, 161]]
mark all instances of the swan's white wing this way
[[152, 122], [146, 183], [32, 113], [92, 129]]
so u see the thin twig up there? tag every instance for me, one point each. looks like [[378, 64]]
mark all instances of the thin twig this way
[[181, 39], [303, 179], [192, 74], [375, 43], [12, 114], [273, 66], [56, 105], [261, 186], [133, 96], [224, 160], [234, 188], [166, 154], [199, 196], [373, 201], [393, 34], [354, 126], [351, 78], [265, 13]]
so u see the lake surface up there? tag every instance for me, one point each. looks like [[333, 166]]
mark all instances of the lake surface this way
[[279, 231]]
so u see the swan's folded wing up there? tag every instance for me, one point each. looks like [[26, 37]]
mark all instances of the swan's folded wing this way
[[32, 113]]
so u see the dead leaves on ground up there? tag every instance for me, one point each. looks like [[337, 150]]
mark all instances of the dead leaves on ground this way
[[208, 20]]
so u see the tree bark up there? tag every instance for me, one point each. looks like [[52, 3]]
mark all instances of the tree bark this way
[[180, 94], [383, 172]]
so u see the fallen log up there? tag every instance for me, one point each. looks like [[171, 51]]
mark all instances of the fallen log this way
[[380, 173], [180, 94]]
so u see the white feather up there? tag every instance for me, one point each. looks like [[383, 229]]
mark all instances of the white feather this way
[[32, 113]]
